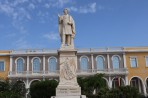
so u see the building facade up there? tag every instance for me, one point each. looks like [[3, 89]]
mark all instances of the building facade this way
[[137, 64], [4, 64], [120, 66]]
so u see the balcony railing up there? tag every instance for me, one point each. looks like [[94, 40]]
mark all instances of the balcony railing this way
[[33, 51], [36, 51], [115, 49], [33, 74], [121, 71]]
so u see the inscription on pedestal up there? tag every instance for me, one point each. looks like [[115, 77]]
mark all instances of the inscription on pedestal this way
[[68, 91]]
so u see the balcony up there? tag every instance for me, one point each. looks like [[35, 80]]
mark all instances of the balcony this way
[[31, 74], [54, 51], [121, 71]]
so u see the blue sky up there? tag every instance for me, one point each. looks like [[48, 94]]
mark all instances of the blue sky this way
[[26, 24]]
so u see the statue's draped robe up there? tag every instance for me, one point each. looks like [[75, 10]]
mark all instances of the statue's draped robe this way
[[64, 27]]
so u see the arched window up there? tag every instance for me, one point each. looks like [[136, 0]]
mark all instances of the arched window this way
[[52, 64], [36, 65], [84, 64], [20, 65], [116, 62], [100, 62]]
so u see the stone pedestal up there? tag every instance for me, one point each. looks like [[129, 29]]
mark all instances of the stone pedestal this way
[[68, 86], [82, 96]]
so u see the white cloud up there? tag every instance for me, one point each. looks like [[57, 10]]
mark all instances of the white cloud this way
[[17, 2], [31, 6], [17, 13], [10, 35], [90, 8], [51, 36], [6, 8], [57, 3], [21, 43], [61, 3], [47, 5]]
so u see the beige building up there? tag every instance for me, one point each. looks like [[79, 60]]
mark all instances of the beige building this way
[[4, 64], [121, 66]]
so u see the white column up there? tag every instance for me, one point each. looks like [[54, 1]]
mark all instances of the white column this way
[[27, 87], [27, 83], [44, 63], [92, 60], [126, 80], [43, 67], [10, 64], [108, 61], [27, 63], [124, 59], [139, 85], [110, 83], [144, 89]]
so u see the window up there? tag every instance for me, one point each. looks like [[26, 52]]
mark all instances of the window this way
[[146, 61], [100, 63], [116, 62], [36, 65], [2, 66], [20, 65], [84, 64], [133, 61], [52, 65]]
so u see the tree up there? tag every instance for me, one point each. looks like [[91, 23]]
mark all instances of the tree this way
[[43, 89], [12, 89], [92, 83]]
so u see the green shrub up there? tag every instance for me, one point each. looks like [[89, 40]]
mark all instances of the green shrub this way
[[43, 89]]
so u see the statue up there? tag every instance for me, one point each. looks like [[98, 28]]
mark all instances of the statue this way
[[66, 29]]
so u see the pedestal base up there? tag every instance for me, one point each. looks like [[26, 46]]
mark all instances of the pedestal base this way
[[68, 91], [81, 96]]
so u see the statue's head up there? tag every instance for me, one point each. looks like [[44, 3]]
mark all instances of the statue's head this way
[[65, 11]]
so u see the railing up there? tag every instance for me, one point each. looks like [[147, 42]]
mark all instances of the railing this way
[[33, 73], [122, 71], [32, 51], [103, 71], [29, 51], [115, 49]]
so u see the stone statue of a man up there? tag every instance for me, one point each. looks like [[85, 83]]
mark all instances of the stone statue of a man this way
[[66, 29]]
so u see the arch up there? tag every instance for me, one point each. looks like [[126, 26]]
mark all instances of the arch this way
[[116, 61], [35, 58], [136, 77], [52, 64], [84, 66], [117, 56], [19, 65], [84, 56], [146, 84], [100, 56], [54, 79], [139, 84], [22, 82], [52, 57], [117, 83], [36, 64], [33, 81], [19, 58], [106, 81], [100, 62]]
